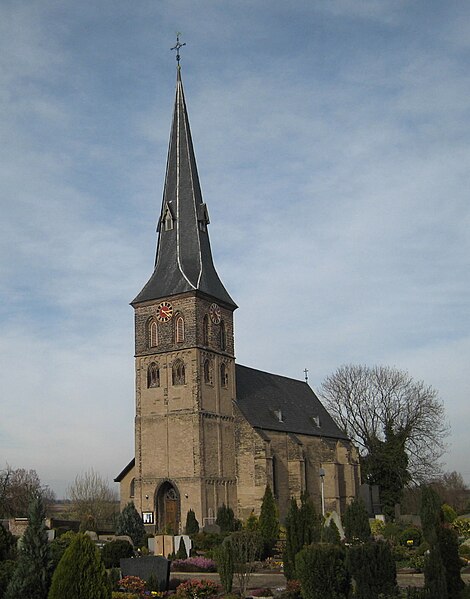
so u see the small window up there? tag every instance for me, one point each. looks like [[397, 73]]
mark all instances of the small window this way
[[205, 330], [278, 414], [178, 373], [153, 375], [316, 421], [222, 337], [179, 325], [223, 375], [208, 372], [132, 488], [153, 334]]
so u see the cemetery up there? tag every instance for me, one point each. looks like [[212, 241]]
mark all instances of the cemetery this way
[[308, 557]]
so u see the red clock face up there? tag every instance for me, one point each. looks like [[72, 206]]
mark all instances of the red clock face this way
[[164, 312], [215, 314]]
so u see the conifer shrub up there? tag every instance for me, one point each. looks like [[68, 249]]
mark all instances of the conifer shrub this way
[[7, 568], [81, 573], [226, 519], [114, 551], [224, 559], [130, 523], [373, 569], [411, 534], [7, 544], [356, 522], [192, 525], [330, 533], [449, 547], [268, 525], [303, 526], [31, 576], [182, 553], [58, 546], [434, 574], [322, 572]]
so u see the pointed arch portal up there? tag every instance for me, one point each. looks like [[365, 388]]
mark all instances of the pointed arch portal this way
[[167, 507]]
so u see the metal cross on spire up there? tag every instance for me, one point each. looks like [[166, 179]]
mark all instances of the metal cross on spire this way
[[306, 375], [178, 46]]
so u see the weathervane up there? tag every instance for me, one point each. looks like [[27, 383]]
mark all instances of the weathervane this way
[[178, 46]]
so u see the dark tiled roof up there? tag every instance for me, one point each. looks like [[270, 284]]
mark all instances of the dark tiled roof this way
[[184, 258], [274, 402]]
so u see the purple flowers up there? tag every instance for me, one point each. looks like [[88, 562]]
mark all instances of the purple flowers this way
[[193, 564]]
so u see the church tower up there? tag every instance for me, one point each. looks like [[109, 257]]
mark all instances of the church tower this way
[[184, 357]]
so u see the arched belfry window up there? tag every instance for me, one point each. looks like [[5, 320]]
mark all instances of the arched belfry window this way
[[223, 375], [153, 333], [179, 329], [205, 330], [222, 336], [153, 375], [178, 376], [208, 372]]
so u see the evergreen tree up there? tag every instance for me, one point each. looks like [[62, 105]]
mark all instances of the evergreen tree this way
[[303, 526], [373, 568], [182, 553], [356, 522], [322, 572], [226, 519], [192, 525], [7, 544], [81, 573], [252, 522], [330, 534], [435, 574], [268, 522], [293, 542], [31, 577], [430, 512], [224, 559], [449, 547], [130, 523]]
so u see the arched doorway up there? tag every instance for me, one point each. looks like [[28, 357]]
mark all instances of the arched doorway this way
[[167, 504]]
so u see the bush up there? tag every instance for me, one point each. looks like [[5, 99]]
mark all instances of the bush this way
[[7, 568], [262, 592], [330, 533], [193, 564], [417, 562], [58, 546], [192, 525], [132, 584], [268, 524], [197, 589], [392, 532], [411, 534], [113, 551], [123, 595], [373, 568], [322, 572], [226, 519], [464, 550], [81, 573], [449, 513], [377, 527], [462, 527], [182, 554], [7, 544], [129, 522], [356, 522], [449, 548], [224, 560], [205, 541]]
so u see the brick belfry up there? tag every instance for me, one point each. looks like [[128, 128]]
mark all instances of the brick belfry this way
[[208, 431]]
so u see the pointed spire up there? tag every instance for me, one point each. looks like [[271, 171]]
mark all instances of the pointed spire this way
[[184, 259]]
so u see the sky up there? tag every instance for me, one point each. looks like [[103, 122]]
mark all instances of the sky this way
[[333, 147]]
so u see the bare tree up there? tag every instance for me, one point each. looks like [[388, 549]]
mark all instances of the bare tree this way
[[367, 402], [94, 501], [17, 489]]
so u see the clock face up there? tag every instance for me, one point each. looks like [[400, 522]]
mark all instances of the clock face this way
[[215, 314], [164, 312]]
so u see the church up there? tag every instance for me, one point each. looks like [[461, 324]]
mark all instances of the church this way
[[209, 431]]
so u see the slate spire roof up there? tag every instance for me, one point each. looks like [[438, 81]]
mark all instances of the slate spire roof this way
[[184, 259]]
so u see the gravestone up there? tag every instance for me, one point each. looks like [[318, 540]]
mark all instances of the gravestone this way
[[212, 528], [164, 545], [146, 566]]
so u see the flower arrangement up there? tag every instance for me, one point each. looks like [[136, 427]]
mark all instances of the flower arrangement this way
[[193, 564], [197, 589]]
